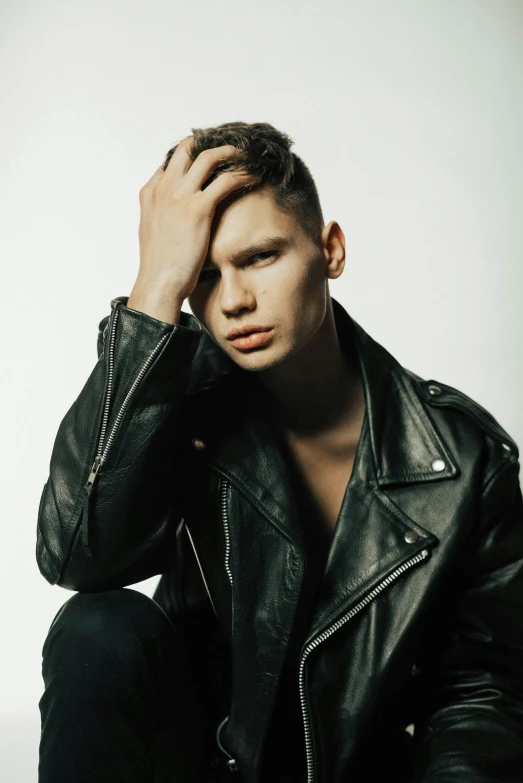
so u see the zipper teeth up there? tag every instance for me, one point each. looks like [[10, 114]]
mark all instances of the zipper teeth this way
[[109, 380], [223, 491], [315, 642], [223, 487], [130, 393], [102, 451]]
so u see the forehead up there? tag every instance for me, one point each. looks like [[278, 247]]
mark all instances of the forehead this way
[[246, 217]]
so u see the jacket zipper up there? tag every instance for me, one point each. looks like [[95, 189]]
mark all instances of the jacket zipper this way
[[103, 449], [231, 762], [328, 632]]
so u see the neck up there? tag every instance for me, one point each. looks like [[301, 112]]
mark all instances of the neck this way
[[316, 390]]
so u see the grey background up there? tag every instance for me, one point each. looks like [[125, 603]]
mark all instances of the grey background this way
[[409, 115]]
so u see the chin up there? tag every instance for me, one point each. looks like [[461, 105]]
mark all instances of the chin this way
[[262, 361]]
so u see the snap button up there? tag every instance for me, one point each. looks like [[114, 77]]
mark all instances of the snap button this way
[[506, 446], [198, 444], [438, 465], [433, 389], [411, 536]]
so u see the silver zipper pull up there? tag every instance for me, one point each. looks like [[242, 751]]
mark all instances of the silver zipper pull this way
[[231, 765], [97, 464]]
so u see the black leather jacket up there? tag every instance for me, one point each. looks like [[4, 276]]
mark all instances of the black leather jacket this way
[[165, 464]]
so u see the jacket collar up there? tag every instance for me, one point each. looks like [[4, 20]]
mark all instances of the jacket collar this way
[[404, 440]]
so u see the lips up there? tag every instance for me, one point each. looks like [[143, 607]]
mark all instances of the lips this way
[[253, 339], [245, 332]]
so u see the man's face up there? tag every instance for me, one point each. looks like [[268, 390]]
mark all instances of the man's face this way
[[282, 285]]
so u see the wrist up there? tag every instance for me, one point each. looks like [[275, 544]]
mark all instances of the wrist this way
[[160, 302]]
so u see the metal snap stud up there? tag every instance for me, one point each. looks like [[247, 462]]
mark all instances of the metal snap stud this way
[[198, 444], [411, 536], [438, 465], [506, 446], [433, 389]]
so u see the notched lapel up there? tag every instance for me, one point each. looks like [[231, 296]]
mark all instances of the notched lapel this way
[[370, 542]]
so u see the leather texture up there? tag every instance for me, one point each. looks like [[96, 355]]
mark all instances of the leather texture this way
[[418, 618]]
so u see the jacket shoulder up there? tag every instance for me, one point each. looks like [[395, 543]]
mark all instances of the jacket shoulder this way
[[440, 395]]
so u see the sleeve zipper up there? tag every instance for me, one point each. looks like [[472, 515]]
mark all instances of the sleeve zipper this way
[[103, 450]]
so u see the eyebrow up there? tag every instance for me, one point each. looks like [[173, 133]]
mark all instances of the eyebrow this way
[[259, 247]]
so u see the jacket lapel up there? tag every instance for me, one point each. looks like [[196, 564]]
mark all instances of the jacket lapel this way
[[404, 440]]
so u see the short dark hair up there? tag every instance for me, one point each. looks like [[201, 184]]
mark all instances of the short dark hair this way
[[267, 152]]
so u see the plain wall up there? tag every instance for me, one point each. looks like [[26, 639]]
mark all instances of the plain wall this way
[[409, 115]]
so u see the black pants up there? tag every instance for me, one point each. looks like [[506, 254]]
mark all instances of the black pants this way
[[124, 701]]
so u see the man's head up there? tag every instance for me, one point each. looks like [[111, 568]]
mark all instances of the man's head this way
[[269, 252]]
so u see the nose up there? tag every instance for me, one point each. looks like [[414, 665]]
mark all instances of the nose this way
[[235, 294]]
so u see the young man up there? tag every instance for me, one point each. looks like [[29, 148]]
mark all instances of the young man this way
[[340, 540]]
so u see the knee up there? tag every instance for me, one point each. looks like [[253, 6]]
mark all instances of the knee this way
[[93, 625], [92, 615]]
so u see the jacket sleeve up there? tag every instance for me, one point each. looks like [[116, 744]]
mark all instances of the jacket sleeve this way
[[472, 731], [110, 506]]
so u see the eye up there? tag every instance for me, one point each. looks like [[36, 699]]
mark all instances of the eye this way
[[267, 253], [264, 256]]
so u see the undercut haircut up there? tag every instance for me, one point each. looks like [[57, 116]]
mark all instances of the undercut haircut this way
[[267, 153]]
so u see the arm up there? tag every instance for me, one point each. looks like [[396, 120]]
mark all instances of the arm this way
[[472, 731], [120, 528], [110, 507]]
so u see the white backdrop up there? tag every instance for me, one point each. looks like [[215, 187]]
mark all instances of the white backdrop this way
[[409, 114]]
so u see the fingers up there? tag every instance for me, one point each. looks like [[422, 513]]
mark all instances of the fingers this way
[[149, 185], [228, 182], [206, 162], [179, 163], [187, 177]]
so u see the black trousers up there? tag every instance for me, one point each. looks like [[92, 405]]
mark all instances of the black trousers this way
[[124, 699]]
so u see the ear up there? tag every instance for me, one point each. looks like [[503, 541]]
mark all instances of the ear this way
[[333, 241]]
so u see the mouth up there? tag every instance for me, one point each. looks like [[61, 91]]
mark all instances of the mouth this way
[[234, 333], [253, 339]]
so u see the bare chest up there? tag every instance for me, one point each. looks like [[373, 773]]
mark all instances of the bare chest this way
[[321, 482], [323, 467]]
